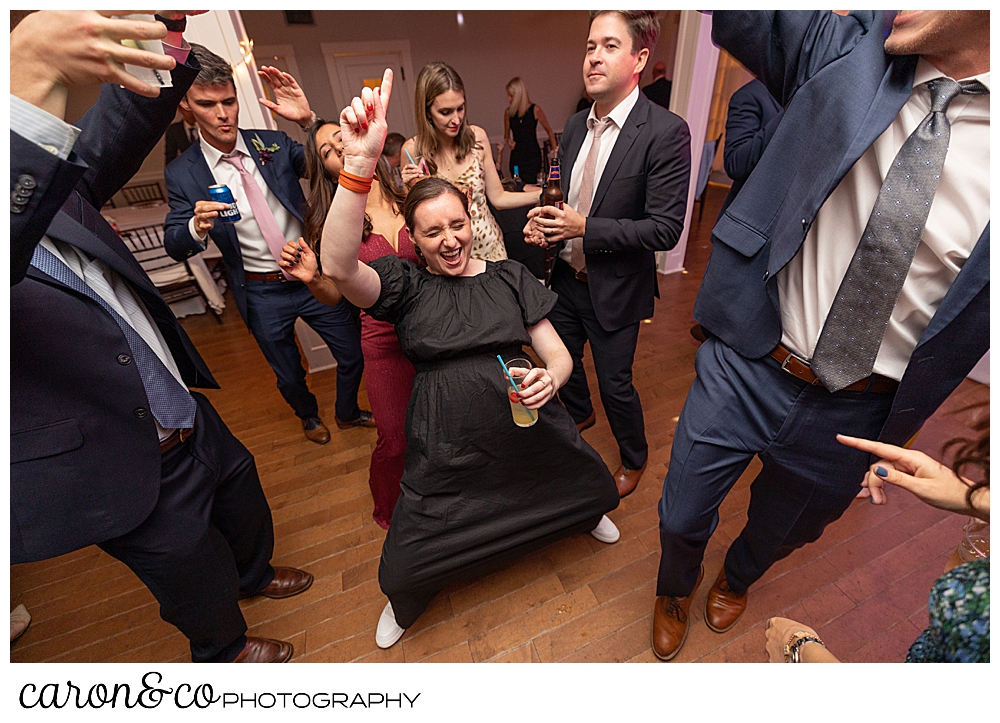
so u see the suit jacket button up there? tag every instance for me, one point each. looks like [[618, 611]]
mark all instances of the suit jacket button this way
[[124, 359], [766, 274], [805, 225], [141, 413], [27, 181], [15, 208]]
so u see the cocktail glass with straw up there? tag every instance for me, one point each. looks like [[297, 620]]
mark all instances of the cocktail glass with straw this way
[[523, 417]]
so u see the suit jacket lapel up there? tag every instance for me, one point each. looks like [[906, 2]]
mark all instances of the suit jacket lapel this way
[[80, 225], [269, 174], [623, 144], [893, 92]]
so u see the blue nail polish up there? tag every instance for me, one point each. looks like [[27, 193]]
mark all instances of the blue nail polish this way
[[881, 472]]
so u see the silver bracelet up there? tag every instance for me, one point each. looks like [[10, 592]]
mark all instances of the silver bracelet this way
[[792, 650]]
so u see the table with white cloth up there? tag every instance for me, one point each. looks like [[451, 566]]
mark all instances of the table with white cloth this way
[[129, 218]]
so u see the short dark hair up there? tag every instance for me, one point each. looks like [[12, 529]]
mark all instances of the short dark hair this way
[[215, 70], [643, 26], [393, 142], [428, 189]]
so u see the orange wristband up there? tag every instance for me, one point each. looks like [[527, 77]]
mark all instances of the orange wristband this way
[[354, 183]]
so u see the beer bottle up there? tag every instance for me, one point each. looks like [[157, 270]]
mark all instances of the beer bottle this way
[[553, 195]]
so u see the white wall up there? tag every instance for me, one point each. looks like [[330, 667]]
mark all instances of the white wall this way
[[545, 48]]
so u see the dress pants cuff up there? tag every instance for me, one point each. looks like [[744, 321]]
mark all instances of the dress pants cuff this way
[[227, 654]]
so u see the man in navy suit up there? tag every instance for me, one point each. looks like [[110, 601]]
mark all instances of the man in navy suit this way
[[262, 169], [108, 446], [753, 117], [854, 89], [626, 195]]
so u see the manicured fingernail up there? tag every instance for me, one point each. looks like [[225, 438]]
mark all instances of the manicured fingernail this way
[[872, 500], [881, 472]]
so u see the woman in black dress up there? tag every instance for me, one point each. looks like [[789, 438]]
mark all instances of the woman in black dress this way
[[520, 120], [477, 491]]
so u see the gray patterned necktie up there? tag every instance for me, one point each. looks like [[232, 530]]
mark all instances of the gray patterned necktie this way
[[172, 404], [859, 316]]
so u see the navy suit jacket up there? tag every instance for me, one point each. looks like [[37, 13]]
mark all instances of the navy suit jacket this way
[[840, 92], [188, 179], [638, 208], [85, 461], [753, 117]]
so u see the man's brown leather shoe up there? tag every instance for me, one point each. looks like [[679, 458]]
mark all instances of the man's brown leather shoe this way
[[315, 430], [287, 582], [670, 622], [265, 650], [723, 607], [628, 479], [365, 419], [588, 422]]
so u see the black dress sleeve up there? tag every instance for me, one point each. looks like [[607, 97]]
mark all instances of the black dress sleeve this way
[[535, 300], [399, 282]]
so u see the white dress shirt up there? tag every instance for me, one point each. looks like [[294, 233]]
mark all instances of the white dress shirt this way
[[618, 115], [257, 256], [960, 211]]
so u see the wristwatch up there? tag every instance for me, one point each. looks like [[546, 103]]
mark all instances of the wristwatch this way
[[795, 643], [173, 26]]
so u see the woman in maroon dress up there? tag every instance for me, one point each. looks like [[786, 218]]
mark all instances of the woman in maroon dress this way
[[388, 373]]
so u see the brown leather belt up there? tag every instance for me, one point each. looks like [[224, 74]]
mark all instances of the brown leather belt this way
[[251, 276], [179, 436], [875, 384], [579, 275]]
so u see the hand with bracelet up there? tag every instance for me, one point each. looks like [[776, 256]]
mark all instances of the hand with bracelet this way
[[792, 642]]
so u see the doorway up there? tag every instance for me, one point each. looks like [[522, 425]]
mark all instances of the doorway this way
[[352, 66]]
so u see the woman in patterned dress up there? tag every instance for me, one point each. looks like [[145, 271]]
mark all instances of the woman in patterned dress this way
[[448, 147]]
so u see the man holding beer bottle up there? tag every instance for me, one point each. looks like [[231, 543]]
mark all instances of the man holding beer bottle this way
[[626, 166], [260, 171]]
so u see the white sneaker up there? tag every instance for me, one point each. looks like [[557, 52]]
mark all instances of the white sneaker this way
[[606, 531], [388, 632]]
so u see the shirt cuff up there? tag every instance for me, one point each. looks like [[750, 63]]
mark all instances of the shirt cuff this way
[[42, 128], [203, 240], [179, 54]]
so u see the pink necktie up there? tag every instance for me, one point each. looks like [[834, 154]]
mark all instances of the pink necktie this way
[[577, 259], [261, 211]]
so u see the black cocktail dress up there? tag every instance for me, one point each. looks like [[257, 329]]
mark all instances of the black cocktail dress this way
[[477, 490]]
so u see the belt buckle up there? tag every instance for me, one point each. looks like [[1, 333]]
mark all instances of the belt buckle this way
[[784, 367], [184, 434], [784, 364]]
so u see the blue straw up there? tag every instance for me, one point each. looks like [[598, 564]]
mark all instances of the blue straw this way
[[531, 414], [410, 157]]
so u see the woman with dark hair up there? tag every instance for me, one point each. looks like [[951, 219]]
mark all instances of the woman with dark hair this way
[[324, 154], [478, 491], [959, 605], [388, 373], [447, 147]]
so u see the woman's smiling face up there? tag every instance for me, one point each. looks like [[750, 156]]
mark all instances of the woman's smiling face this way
[[443, 233]]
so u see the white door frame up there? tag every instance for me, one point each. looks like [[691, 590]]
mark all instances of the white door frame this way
[[691, 98], [331, 51]]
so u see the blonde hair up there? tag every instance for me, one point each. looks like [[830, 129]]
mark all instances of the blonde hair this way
[[521, 102], [434, 79]]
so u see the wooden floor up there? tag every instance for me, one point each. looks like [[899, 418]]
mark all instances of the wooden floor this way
[[863, 585]]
